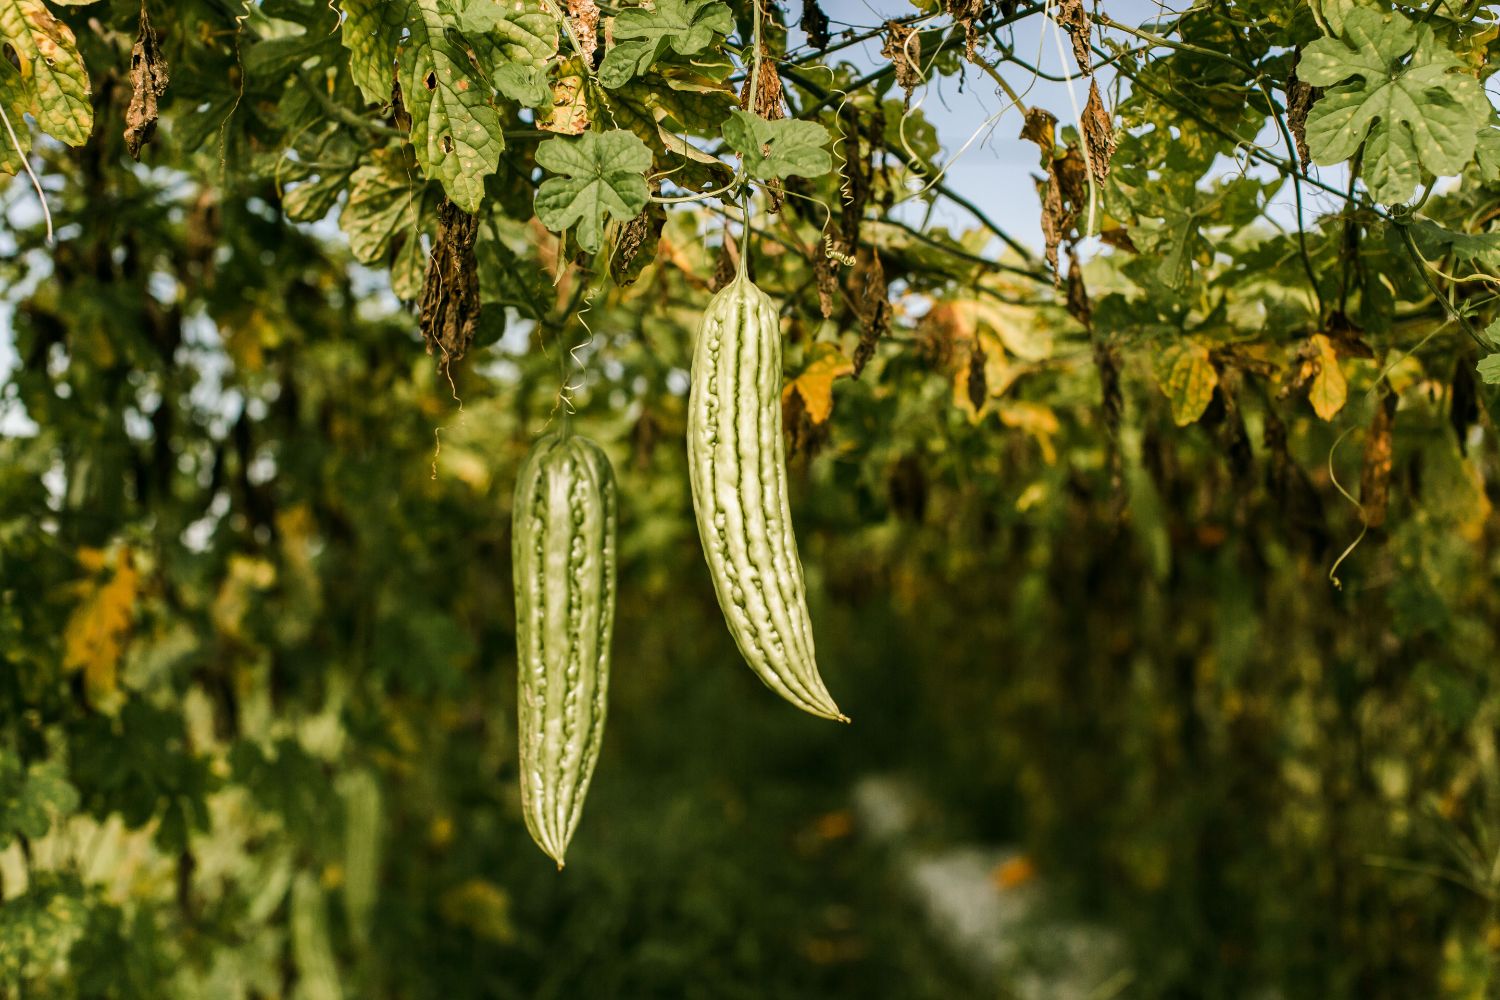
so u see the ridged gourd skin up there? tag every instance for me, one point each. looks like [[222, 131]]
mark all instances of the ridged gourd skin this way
[[563, 550], [737, 464]]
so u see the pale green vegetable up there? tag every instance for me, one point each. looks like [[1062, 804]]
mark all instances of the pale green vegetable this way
[[563, 549], [737, 463]]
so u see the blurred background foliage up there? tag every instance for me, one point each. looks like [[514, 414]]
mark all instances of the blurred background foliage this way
[[256, 624]]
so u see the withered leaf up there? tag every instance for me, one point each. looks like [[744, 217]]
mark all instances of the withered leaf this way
[[978, 387], [967, 13], [903, 47], [871, 304], [768, 98], [148, 82], [1073, 19], [815, 23], [855, 191], [1300, 97], [450, 293], [1063, 194], [1098, 133], [1040, 128], [1375, 476], [826, 275], [584, 14], [637, 243], [569, 113]]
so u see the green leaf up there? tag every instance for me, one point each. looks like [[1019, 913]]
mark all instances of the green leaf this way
[[778, 149], [383, 200], [369, 33], [1410, 113], [52, 72], [1492, 334], [683, 25], [519, 34], [455, 130], [603, 174], [1435, 241], [526, 85], [1489, 369], [625, 61], [1487, 154]]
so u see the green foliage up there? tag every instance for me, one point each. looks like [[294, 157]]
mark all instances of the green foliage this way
[[1413, 108], [778, 149], [601, 178], [684, 26]]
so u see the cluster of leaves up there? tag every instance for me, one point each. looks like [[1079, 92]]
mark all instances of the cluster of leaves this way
[[254, 611]]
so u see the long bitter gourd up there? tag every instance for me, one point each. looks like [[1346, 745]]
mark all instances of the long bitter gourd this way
[[563, 547], [737, 463]]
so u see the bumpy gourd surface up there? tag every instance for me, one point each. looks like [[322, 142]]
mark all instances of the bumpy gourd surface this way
[[737, 463], [563, 547]]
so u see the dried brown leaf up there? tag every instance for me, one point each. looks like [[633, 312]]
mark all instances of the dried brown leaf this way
[[769, 103], [967, 13], [1040, 128], [584, 15], [977, 386], [903, 47], [826, 274], [1098, 133], [148, 82], [1073, 19], [871, 304], [1300, 97], [815, 24], [637, 243], [450, 292]]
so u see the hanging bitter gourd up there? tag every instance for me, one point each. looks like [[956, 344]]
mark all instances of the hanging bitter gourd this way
[[563, 548], [737, 463]]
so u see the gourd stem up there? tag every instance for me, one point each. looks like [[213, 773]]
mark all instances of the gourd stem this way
[[744, 268], [753, 96]]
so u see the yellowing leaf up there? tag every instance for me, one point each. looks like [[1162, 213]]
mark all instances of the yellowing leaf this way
[[1327, 389], [54, 80], [569, 113], [1017, 327], [815, 384], [95, 635], [1188, 378], [1037, 420], [996, 376]]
